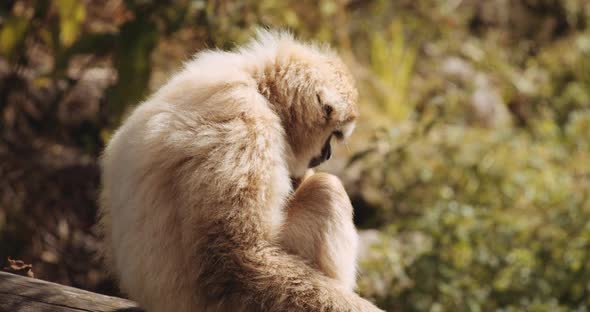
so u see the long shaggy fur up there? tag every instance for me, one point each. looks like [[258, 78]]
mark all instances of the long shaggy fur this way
[[197, 207]]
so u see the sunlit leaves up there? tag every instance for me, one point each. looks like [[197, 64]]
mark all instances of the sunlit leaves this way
[[392, 60], [578, 129], [71, 15], [12, 34]]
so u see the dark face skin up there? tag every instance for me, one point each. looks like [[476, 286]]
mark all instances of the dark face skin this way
[[324, 155]]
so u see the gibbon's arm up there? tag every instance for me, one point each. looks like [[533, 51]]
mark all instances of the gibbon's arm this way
[[241, 266], [319, 227]]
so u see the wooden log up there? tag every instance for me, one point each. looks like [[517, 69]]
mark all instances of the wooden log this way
[[24, 294]]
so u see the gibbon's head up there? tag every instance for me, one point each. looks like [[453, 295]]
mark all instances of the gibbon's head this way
[[311, 90]]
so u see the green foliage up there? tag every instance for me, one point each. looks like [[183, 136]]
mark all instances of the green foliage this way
[[477, 214], [505, 218], [71, 15], [12, 35], [577, 130], [135, 44], [392, 62]]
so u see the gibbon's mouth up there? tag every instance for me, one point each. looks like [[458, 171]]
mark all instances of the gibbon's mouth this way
[[325, 154]]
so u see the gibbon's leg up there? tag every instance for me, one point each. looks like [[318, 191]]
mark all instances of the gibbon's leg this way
[[319, 227]]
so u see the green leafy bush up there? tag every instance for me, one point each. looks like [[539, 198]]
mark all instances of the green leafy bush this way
[[502, 221], [483, 191]]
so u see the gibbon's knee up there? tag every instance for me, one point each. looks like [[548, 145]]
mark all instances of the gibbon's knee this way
[[319, 227]]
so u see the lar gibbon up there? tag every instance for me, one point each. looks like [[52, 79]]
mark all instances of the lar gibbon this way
[[207, 203]]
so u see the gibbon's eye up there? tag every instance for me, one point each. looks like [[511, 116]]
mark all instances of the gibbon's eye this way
[[328, 109], [339, 135]]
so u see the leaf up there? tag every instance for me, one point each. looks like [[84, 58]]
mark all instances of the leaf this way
[[19, 267], [98, 44], [72, 14], [12, 34], [135, 45]]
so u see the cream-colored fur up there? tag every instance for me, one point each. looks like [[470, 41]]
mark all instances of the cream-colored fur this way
[[197, 206], [319, 228]]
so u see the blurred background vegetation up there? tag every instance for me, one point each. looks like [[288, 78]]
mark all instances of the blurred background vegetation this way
[[469, 171]]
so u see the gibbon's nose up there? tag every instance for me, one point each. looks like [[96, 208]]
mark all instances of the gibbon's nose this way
[[325, 154]]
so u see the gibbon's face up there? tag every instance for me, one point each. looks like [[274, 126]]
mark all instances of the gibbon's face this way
[[330, 103], [337, 133]]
